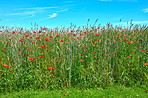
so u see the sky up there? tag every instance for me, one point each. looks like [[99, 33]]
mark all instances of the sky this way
[[53, 13]]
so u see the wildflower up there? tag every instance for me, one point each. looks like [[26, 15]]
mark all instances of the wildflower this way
[[26, 54], [85, 49], [69, 33], [51, 68], [124, 39], [114, 42], [98, 28], [80, 54], [66, 95], [57, 35], [21, 41], [122, 31], [50, 63], [41, 56], [105, 51], [134, 40], [45, 45], [107, 54], [10, 67], [27, 35], [118, 37], [40, 31], [42, 47], [96, 42], [47, 50], [13, 32], [84, 32], [94, 52], [143, 50], [81, 60], [18, 50], [50, 36], [4, 65], [145, 63], [137, 30], [129, 42], [128, 57], [29, 49], [123, 67], [93, 45], [61, 40], [140, 46], [74, 34], [43, 29], [66, 48], [7, 42], [61, 59], [33, 42], [82, 45], [7, 66], [83, 69], [115, 55], [34, 32], [31, 59], [37, 38], [71, 30], [19, 54]]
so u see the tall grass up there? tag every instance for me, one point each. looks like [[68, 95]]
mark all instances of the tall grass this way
[[88, 57]]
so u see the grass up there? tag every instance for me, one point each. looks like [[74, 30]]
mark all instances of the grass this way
[[110, 92], [90, 57]]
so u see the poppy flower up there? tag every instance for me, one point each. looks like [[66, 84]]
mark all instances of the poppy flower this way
[[114, 42], [34, 32], [96, 35], [145, 63], [140, 46], [81, 60], [66, 48], [7, 42], [50, 63], [128, 57], [42, 47], [21, 41], [61, 59], [33, 42], [50, 36], [7, 66], [71, 30], [43, 29], [31, 59], [10, 67], [105, 51], [143, 50], [115, 55], [4, 50], [82, 45], [96, 42], [107, 54], [85, 49], [137, 30], [134, 40], [74, 34], [27, 35], [19, 54], [47, 50], [124, 39], [122, 31], [26, 54], [66, 95], [29, 49], [83, 69], [129, 42], [41, 56], [51, 68], [13, 32], [80, 54], [57, 35], [61, 40], [37, 38], [40, 31], [84, 32], [69, 33], [98, 28], [94, 52], [118, 37]]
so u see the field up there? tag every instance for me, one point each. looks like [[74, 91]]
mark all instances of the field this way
[[91, 57]]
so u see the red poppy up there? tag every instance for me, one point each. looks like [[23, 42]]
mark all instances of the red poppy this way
[[84, 32], [80, 54], [140, 46], [50, 36], [18, 50], [33, 42], [134, 40], [94, 52], [26, 54], [50, 63], [81, 60], [19, 54], [83, 69], [71, 30], [69, 33], [7, 66], [21, 41], [122, 31], [43, 29], [96, 35], [96, 42], [61, 40], [47, 50], [107, 54], [41, 56], [137, 30], [7, 42], [13, 32], [57, 35], [29, 49], [129, 42], [74, 34], [118, 37], [145, 63], [105, 51], [143, 50], [114, 42], [82, 45], [66, 48], [61, 59], [31, 59], [128, 57], [51, 68], [4, 50], [66, 95], [34, 32], [115, 55], [27, 35], [85, 49], [40, 31], [42, 47], [124, 39], [37, 38], [98, 28]]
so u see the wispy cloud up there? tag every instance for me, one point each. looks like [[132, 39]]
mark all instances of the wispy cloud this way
[[24, 13], [145, 10], [36, 8], [105, 0], [62, 10], [28, 16], [53, 15]]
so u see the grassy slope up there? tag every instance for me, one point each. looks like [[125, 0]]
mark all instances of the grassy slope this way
[[111, 92]]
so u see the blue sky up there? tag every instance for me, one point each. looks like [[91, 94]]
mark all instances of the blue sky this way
[[52, 13]]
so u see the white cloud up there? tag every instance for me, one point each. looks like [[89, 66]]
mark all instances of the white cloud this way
[[105, 0], [35, 8], [62, 10], [145, 10], [53, 15]]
